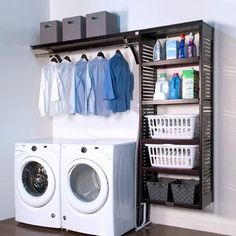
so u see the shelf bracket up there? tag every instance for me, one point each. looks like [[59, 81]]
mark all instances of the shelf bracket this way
[[133, 50]]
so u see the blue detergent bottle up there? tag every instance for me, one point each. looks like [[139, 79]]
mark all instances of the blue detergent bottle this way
[[175, 87], [182, 46]]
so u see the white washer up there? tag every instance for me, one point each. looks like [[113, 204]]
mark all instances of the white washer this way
[[97, 187], [37, 183]]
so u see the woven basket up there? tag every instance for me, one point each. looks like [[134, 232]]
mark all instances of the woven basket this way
[[185, 191], [160, 190]]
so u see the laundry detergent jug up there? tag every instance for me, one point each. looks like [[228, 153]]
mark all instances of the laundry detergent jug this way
[[175, 87], [161, 88]]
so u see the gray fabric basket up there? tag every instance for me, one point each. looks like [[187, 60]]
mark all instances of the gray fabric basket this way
[[160, 190], [185, 191]]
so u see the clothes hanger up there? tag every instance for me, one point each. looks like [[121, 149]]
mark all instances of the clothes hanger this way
[[100, 54], [84, 57], [56, 58], [53, 59], [67, 58], [118, 51]]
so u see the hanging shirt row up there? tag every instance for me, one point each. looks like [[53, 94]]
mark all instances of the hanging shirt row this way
[[97, 87]]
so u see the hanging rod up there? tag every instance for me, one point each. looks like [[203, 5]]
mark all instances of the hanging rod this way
[[128, 39], [132, 47]]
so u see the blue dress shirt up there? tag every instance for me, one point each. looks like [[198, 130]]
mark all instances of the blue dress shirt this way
[[122, 82]]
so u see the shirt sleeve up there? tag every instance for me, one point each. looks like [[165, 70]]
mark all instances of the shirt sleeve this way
[[42, 99], [72, 91], [54, 89], [131, 85], [89, 92], [108, 89]]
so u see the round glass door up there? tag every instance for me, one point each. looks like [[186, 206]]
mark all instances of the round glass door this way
[[86, 186], [35, 181], [85, 183]]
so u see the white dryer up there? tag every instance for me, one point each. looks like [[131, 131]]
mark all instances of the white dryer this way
[[97, 187], [37, 187]]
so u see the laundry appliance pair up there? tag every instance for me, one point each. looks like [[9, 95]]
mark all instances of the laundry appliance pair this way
[[85, 186]]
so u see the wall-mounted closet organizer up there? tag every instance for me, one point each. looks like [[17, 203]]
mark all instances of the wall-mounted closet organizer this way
[[149, 69]]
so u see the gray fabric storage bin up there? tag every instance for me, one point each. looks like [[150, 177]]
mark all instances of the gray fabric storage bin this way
[[160, 190], [73, 28], [50, 31], [101, 23]]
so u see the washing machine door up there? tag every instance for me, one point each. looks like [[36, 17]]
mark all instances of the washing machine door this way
[[86, 186], [35, 181]]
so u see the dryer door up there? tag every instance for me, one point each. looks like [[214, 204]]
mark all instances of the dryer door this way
[[86, 186], [35, 181]]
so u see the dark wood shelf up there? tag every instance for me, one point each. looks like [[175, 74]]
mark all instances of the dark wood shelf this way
[[192, 172], [172, 204], [124, 38], [180, 62], [171, 102], [194, 141]]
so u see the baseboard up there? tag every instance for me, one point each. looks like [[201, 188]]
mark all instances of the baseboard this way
[[196, 220]]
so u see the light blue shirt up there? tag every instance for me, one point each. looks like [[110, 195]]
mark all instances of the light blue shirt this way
[[80, 83], [97, 70], [122, 82]]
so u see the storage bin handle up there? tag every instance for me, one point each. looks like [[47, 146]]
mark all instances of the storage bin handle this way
[[70, 22], [94, 18], [48, 26]]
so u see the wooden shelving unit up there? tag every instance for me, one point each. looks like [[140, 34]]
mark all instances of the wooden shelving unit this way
[[148, 76]]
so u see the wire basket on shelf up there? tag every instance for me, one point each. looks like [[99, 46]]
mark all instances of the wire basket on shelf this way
[[173, 156], [173, 126], [185, 191], [160, 190]]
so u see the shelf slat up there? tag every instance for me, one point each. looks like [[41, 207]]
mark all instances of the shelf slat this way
[[180, 62], [171, 102], [192, 172]]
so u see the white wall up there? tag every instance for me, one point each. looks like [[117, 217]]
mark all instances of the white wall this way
[[221, 216], [19, 82]]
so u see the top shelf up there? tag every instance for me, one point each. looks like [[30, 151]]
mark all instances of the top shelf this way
[[180, 62], [125, 39]]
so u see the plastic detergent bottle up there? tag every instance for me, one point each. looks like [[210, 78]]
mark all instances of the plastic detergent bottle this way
[[182, 46], [161, 88], [191, 49], [175, 87], [157, 51]]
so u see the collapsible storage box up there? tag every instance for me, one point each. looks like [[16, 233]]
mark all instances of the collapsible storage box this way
[[74, 28], [186, 191], [160, 190], [101, 23], [50, 31]]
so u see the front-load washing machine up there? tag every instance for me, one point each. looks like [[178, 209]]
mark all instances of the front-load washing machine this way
[[37, 187], [97, 187]]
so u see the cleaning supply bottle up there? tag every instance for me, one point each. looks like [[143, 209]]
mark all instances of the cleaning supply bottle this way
[[157, 51], [175, 87], [161, 88], [191, 49], [182, 46]]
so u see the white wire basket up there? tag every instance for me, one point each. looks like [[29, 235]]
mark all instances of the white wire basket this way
[[173, 156], [173, 126]]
